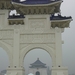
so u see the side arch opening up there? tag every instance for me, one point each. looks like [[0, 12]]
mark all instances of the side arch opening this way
[[4, 61], [8, 50]]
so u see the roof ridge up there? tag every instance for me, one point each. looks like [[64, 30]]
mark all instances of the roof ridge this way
[[38, 62]]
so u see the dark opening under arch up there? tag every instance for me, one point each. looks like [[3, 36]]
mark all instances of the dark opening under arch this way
[[37, 73]]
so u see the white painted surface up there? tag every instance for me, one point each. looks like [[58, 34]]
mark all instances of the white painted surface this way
[[18, 40]]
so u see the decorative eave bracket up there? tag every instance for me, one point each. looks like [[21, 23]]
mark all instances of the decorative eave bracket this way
[[60, 23], [16, 21], [38, 9], [6, 4]]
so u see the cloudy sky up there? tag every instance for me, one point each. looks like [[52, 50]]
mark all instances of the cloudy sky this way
[[68, 48]]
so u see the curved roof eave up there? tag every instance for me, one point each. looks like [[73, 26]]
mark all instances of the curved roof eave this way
[[37, 4], [5, 0], [38, 62], [61, 20]]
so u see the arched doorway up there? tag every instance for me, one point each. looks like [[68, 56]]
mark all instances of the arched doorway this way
[[37, 73], [7, 50], [30, 47], [4, 60], [33, 54]]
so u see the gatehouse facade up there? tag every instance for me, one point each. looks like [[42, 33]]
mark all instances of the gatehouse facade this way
[[34, 26], [38, 68]]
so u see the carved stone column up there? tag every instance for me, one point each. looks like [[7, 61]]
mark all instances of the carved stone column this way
[[59, 71], [16, 69], [58, 47]]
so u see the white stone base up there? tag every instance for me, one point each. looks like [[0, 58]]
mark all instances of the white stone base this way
[[15, 71], [59, 71]]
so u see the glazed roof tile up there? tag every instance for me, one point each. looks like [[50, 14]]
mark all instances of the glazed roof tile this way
[[35, 1], [38, 62], [59, 17], [15, 16]]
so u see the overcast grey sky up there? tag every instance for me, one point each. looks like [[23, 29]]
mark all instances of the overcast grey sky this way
[[68, 48]]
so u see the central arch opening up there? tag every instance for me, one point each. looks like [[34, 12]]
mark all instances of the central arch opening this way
[[32, 56]]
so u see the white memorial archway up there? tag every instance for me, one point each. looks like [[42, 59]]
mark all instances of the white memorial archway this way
[[35, 27], [41, 46]]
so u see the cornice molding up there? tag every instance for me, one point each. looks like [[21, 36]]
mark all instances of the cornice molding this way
[[60, 23], [16, 21], [6, 5], [50, 8]]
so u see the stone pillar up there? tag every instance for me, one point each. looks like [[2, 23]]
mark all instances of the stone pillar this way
[[58, 47], [58, 69], [3, 24], [3, 18], [16, 49], [16, 69]]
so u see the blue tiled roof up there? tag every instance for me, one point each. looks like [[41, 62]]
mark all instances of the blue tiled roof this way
[[35, 1], [15, 16], [59, 17], [38, 64]]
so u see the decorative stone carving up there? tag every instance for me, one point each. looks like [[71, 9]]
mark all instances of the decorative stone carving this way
[[16, 22], [5, 34], [6, 4], [23, 45], [16, 19], [61, 24], [45, 9], [37, 23], [10, 42], [37, 38], [35, 10]]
